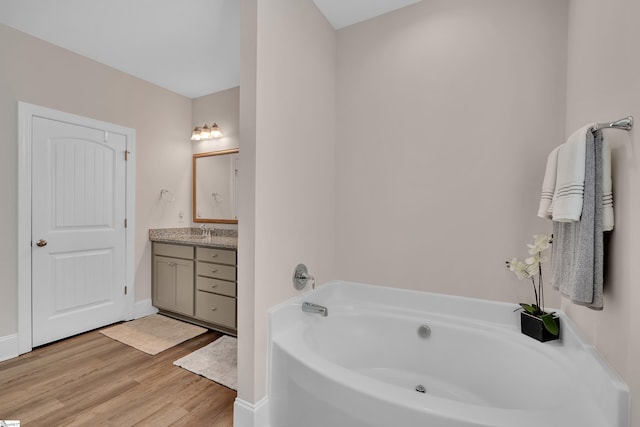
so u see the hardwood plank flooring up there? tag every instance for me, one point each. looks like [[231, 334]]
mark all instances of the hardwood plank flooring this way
[[92, 380]]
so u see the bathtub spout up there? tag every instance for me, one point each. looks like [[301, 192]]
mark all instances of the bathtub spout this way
[[308, 307]]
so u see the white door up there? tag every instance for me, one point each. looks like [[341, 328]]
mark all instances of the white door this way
[[78, 229]]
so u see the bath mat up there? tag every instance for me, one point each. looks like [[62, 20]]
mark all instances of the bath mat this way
[[217, 361], [153, 334]]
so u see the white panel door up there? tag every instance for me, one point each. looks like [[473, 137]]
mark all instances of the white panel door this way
[[78, 230]]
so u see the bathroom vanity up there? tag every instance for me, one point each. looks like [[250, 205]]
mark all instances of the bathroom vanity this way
[[194, 277]]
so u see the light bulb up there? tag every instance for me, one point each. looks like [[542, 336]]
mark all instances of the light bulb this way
[[215, 131], [205, 133]]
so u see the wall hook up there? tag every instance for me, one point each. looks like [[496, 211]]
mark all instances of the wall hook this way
[[167, 195]]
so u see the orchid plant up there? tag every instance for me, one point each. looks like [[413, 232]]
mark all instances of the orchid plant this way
[[531, 268]]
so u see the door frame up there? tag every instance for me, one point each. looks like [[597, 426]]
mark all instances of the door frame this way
[[26, 112]]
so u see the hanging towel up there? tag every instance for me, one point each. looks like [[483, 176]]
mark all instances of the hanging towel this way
[[577, 256], [550, 188], [569, 191], [549, 185], [607, 191]]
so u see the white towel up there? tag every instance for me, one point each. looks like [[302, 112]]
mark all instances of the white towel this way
[[549, 185], [566, 164], [569, 192], [607, 192]]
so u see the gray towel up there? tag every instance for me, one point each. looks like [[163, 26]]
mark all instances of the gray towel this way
[[577, 257]]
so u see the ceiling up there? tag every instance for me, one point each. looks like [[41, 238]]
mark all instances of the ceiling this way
[[342, 13], [191, 47]]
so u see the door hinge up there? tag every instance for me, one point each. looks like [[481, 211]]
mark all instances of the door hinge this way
[[125, 223], [126, 155], [125, 290]]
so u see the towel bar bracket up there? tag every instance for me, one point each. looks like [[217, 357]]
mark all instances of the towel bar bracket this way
[[623, 124]]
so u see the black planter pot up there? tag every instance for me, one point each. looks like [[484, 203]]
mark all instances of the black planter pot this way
[[532, 326]]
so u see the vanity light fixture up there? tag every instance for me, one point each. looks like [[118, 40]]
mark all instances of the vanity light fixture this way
[[206, 132], [215, 131]]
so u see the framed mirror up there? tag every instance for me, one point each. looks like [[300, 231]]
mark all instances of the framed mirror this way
[[214, 186]]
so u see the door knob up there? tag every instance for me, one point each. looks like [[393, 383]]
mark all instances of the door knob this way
[[41, 243]]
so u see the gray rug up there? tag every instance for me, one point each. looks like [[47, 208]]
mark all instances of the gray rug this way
[[153, 334], [217, 361]]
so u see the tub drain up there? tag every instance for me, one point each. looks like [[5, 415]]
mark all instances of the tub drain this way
[[421, 389], [424, 331]]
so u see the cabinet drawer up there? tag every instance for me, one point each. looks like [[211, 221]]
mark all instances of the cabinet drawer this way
[[221, 256], [216, 286], [216, 271], [216, 309], [176, 251]]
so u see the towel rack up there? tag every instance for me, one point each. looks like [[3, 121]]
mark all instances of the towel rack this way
[[624, 124]]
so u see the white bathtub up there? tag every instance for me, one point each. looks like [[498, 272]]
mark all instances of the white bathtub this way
[[360, 365]]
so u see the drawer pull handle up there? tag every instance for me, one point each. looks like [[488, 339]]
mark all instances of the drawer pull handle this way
[[214, 255], [214, 308], [214, 270], [214, 286]]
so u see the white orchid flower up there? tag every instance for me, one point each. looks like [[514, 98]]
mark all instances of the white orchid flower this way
[[519, 268], [533, 265], [541, 243]]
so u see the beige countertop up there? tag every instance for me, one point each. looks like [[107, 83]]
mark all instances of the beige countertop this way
[[226, 239]]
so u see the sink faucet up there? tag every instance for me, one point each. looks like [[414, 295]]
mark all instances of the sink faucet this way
[[206, 231], [308, 307]]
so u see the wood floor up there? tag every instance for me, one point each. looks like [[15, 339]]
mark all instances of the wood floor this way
[[92, 380]]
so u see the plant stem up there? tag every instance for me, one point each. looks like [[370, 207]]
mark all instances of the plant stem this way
[[540, 286], [535, 292]]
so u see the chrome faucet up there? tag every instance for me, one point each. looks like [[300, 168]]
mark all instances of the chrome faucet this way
[[301, 276], [206, 231], [308, 307]]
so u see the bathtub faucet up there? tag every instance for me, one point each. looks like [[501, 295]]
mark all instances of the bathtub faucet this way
[[308, 307]]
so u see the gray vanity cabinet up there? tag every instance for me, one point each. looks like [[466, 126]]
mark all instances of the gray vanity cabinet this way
[[173, 278], [216, 286], [196, 284]]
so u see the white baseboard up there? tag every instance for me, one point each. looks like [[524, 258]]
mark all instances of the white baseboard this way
[[8, 347], [247, 414], [9, 344], [143, 308]]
